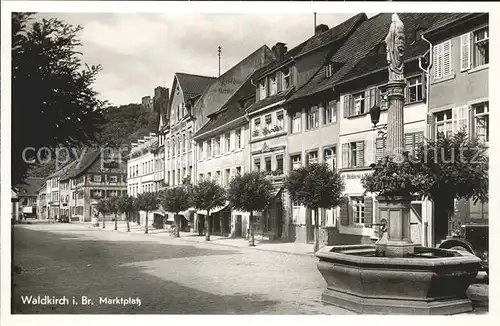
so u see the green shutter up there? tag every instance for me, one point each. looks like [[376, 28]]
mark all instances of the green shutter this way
[[344, 212], [368, 211]]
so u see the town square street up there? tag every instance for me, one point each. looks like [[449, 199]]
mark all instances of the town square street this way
[[77, 268]]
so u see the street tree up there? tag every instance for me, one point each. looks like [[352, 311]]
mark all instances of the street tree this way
[[126, 205], [176, 200], [250, 192], [46, 60], [136, 209], [148, 202], [113, 208], [444, 169], [102, 207], [208, 195], [316, 187]]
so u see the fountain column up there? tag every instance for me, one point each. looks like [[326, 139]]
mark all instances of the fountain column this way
[[395, 209]]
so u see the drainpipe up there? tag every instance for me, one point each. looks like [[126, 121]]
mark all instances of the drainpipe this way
[[426, 132]]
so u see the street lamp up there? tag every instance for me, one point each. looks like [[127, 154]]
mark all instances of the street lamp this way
[[375, 118]]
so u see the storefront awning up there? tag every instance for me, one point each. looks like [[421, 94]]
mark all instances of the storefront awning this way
[[220, 208]]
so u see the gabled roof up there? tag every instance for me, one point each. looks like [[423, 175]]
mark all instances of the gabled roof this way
[[77, 169], [193, 85], [315, 42], [30, 187], [360, 53], [232, 110]]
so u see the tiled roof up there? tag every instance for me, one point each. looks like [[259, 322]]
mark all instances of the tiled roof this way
[[193, 85], [360, 53], [85, 163], [270, 100], [317, 41], [30, 186]]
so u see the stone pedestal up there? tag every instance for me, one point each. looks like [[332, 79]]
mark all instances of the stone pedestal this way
[[396, 211]]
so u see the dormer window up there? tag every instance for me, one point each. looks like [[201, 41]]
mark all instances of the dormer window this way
[[329, 70], [263, 89], [286, 78]]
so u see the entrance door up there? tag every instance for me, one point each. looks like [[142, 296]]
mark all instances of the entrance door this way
[[237, 226]]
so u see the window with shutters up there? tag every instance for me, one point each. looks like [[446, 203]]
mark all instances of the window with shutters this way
[[380, 144], [227, 138], [481, 47], [312, 118], [263, 89], [359, 103], [286, 78], [256, 164], [296, 161], [330, 112], [209, 148], [413, 141], [329, 157], [267, 164], [358, 210], [329, 70], [273, 85], [296, 122], [237, 134], [414, 91], [481, 122], [312, 157], [280, 119], [353, 155], [444, 123], [442, 60]]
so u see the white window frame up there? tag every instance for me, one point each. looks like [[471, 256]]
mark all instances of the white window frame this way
[[482, 115], [359, 103], [479, 43], [418, 89], [358, 209], [296, 122], [280, 119], [312, 157], [329, 70], [312, 118], [286, 78], [263, 89], [447, 122], [329, 156], [238, 135], [113, 178], [227, 138], [273, 85], [97, 178], [296, 161], [331, 112]]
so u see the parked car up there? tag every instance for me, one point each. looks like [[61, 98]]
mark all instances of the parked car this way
[[63, 219], [472, 238]]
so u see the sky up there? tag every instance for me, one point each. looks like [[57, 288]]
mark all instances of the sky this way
[[139, 51]]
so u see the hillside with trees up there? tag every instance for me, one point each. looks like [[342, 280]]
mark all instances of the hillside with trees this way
[[122, 125]]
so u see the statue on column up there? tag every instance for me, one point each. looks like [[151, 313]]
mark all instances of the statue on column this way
[[395, 46]]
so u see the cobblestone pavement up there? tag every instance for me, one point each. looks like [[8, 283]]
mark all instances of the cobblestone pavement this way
[[169, 276]]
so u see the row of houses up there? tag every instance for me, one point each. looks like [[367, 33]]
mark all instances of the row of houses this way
[[279, 109]]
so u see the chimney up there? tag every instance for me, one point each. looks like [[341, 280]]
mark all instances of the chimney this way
[[279, 49], [321, 28]]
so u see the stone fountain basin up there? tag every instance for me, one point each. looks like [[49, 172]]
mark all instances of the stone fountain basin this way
[[432, 281]]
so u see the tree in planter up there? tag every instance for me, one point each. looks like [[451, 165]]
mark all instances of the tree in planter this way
[[148, 202], [113, 209], [102, 207], [250, 192], [176, 200], [125, 205], [443, 170], [136, 208], [315, 186], [208, 195]]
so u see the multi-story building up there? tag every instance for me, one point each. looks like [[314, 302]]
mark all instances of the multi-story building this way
[[458, 95], [98, 174], [27, 195], [222, 153], [226, 91], [41, 202], [141, 169], [353, 77], [274, 127]]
